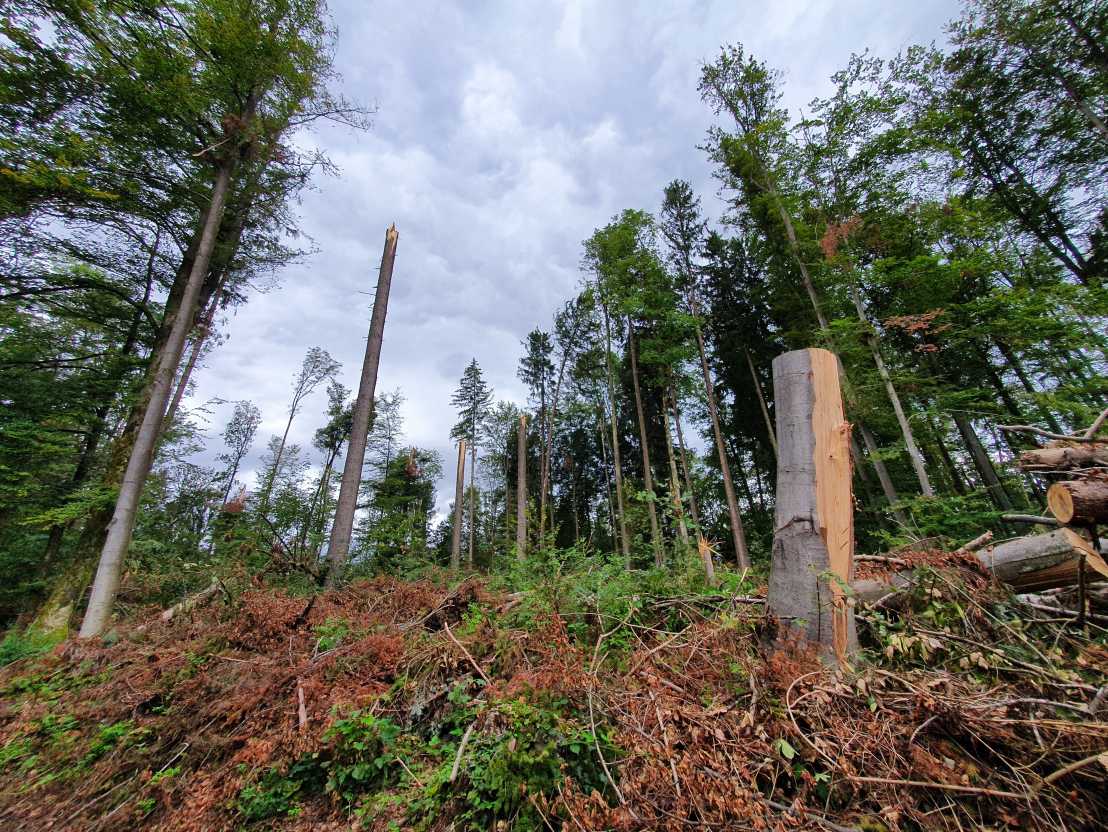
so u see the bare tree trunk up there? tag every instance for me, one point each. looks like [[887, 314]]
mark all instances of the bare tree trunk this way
[[342, 528], [693, 512], [982, 463], [459, 486], [674, 486], [883, 477], [905, 428], [106, 583], [601, 428], [738, 535], [813, 546], [198, 341], [521, 489], [762, 403], [472, 499], [648, 477], [617, 465]]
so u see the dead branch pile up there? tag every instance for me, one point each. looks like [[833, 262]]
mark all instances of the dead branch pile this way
[[965, 711]]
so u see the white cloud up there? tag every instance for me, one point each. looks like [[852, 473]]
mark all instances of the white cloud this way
[[506, 133]]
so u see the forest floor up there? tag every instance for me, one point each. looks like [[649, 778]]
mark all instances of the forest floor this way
[[573, 705]]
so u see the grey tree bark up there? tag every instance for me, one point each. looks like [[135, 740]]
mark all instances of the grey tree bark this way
[[521, 489], [813, 543], [981, 462], [342, 528], [106, 583], [894, 398], [647, 476], [624, 538]]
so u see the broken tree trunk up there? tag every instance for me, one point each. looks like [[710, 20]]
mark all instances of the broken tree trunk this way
[[1079, 502], [343, 526], [459, 486], [813, 543], [521, 489]]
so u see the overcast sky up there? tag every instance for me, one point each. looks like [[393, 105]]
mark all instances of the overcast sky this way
[[505, 133]]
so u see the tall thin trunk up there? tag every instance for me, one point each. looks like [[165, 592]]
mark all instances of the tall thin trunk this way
[[674, 486], [617, 465], [738, 535], [948, 461], [106, 583], [762, 403], [883, 477], [693, 512], [981, 462], [601, 428], [459, 486], [521, 489], [202, 333], [472, 499], [342, 528], [894, 398], [648, 477]]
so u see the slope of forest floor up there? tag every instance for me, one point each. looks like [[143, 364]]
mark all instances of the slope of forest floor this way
[[590, 700]]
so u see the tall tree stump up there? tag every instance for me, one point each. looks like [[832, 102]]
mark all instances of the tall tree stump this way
[[813, 541]]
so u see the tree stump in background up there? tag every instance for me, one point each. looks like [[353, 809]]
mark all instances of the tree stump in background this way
[[813, 542]]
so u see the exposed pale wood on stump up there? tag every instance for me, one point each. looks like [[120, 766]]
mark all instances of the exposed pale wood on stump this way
[[813, 544], [1080, 502]]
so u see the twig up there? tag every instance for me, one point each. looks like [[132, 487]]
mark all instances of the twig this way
[[974, 544], [472, 661], [1030, 518], [834, 827], [411, 774], [1072, 767], [461, 751], [1098, 701], [924, 784], [1096, 425], [880, 559], [302, 709]]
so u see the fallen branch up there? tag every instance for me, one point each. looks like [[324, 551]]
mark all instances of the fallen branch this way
[[1101, 756], [461, 749], [974, 544], [1034, 519], [301, 709], [472, 661]]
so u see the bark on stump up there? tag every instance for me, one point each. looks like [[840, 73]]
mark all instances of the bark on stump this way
[[1079, 502], [813, 543]]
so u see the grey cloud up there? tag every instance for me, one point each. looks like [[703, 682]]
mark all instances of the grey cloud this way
[[506, 133]]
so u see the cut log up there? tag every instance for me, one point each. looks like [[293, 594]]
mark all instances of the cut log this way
[[1064, 458], [1079, 502], [813, 542], [1027, 564], [1043, 561]]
